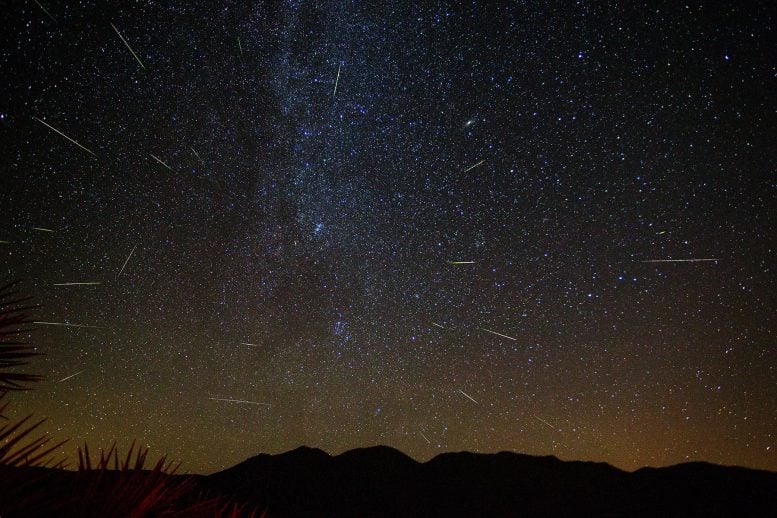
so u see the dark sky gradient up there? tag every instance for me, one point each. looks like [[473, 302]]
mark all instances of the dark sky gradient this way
[[557, 145]]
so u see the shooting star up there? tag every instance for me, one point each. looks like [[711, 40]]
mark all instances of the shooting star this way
[[679, 260], [42, 229], [438, 325], [65, 324], [249, 344], [76, 283], [544, 422], [239, 46], [470, 168], [230, 400], [45, 11], [468, 396], [498, 334], [160, 161], [461, 262], [128, 46], [71, 376], [425, 437], [195, 153], [128, 258], [5, 242], [337, 79], [70, 139]]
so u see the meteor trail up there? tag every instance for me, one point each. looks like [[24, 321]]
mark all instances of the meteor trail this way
[[438, 325], [71, 376], [195, 153], [70, 139], [230, 400], [128, 258], [544, 422], [473, 166], [65, 324], [160, 161], [337, 79], [461, 262], [468, 396], [42, 229], [76, 283], [45, 11], [249, 344], [424, 436], [678, 260], [128, 46], [498, 334]]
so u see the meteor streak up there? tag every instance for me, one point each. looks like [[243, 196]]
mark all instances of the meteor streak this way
[[544, 422], [71, 376], [498, 334], [337, 80], [438, 325], [65, 324], [468, 396], [461, 262], [70, 139], [230, 400], [678, 260], [249, 344], [128, 258], [160, 161], [45, 11], [128, 46], [473, 166], [425, 437], [195, 153], [42, 229], [76, 283]]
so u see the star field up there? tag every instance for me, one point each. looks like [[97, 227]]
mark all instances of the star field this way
[[428, 226]]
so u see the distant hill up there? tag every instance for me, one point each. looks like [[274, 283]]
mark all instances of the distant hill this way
[[381, 481]]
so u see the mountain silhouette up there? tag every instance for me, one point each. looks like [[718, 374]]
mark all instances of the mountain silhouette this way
[[381, 481]]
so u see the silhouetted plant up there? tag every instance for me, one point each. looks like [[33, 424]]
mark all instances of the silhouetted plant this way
[[13, 319], [127, 490], [16, 446], [115, 485], [17, 449]]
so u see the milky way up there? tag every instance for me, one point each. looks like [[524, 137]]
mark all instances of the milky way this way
[[545, 227]]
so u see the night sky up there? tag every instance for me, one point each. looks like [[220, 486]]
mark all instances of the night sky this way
[[341, 224]]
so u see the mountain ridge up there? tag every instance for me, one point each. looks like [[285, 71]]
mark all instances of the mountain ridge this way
[[383, 481]]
